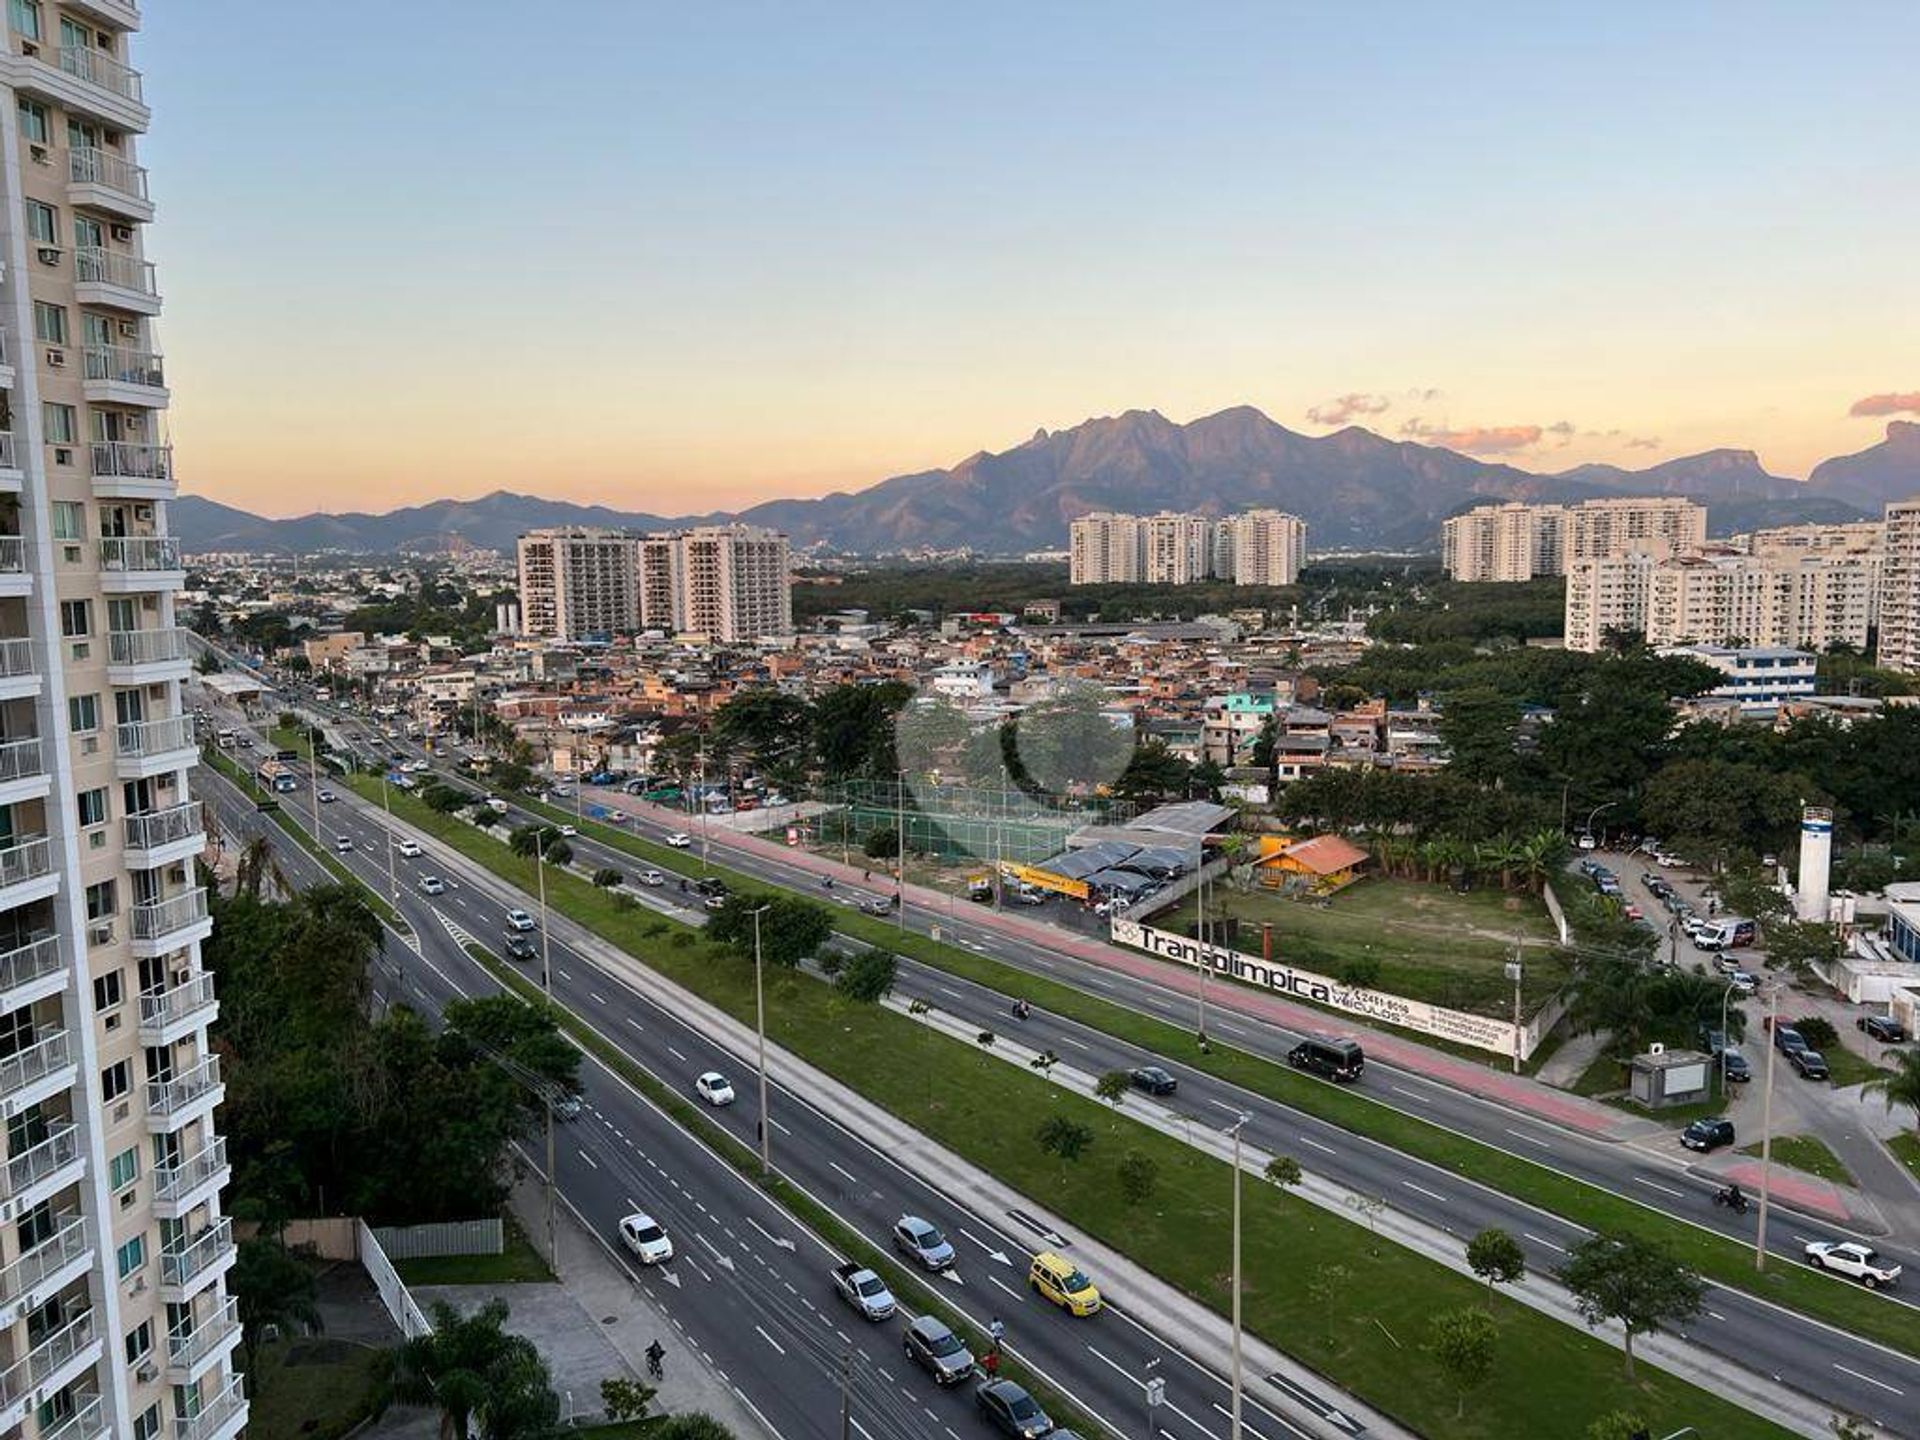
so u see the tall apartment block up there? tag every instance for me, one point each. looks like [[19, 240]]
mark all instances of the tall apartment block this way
[[114, 1316], [1103, 549], [1513, 542], [1262, 547], [578, 584], [1899, 647], [1259, 547], [732, 582], [1720, 596]]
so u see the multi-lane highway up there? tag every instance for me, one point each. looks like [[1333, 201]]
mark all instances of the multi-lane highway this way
[[1840, 1369]]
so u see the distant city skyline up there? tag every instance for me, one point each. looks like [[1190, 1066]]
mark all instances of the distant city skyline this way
[[737, 253]]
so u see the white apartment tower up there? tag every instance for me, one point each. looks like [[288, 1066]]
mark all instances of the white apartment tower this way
[[1515, 541], [1257, 547], [578, 584], [114, 1316], [731, 582], [1104, 549], [1899, 647], [1175, 549], [1804, 601], [1654, 525], [1267, 547]]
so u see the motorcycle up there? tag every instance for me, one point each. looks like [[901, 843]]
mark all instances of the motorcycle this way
[[1021, 1010], [1734, 1200]]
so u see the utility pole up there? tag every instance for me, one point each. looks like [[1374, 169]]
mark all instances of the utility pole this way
[[760, 1026], [1514, 973], [313, 778], [546, 938], [1766, 1127], [1200, 926], [1233, 1429], [546, 988], [393, 874], [846, 1396], [900, 848]]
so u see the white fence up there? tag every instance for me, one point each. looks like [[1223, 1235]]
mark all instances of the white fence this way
[[405, 1310], [452, 1237]]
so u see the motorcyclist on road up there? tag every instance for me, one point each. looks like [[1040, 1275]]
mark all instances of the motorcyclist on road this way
[[655, 1354]]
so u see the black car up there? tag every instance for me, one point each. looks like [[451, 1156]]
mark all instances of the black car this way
[[1788, 1039], [1738, 1071], [1153, 1080], [712, 886], [519, 947], [1012, 1410], [1811, 1064], [1707, 1134], [1884, 1028]]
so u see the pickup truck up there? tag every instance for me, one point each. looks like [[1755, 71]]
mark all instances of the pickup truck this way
[[863, 1290], [1856, 1261]]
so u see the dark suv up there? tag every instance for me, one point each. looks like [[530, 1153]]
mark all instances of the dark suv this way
[[519, 947], [1883, 1028], [1707, 1134], [1811, 1064]]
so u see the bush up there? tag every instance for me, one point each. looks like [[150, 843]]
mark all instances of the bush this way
[[881, 844], [868, 976], [607, 877], [1818, 1032]]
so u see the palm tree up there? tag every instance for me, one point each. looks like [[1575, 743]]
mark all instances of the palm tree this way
[[1902, 1087], [1502, 853], [449, 1367], [1433, 856], [1541, 855], [272, 1290]]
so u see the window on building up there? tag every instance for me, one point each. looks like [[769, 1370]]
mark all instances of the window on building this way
[[43, 223], [69, 519], [83, 714], [147, 1427], [76, 619], [49, 323], [33, 122], [123, 1169], [107, 990], [87, 234], [92, 805], [61, 425], [25, 17], [102, 901], [115, 1081], [139, 1342], [131, 1256]]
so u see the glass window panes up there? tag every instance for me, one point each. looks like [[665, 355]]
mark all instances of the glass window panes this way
[[123, 1169], [83, 714], [33, 122], [61, 426], [25, 18], [43, 224], [131, 1256], [76, 618], [139, 1341], [49, 323], [92, 806], [116, 1080], [69, 519], [101, 902], [107, 990]]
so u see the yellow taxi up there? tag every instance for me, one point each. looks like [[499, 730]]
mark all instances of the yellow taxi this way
[[1056, 1278]]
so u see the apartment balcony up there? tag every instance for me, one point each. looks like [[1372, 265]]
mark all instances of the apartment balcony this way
[[32, 972], [177, 1011], [87, 79], [146, 657], [141, 564], [38, 1171], [54, 1362], [26, 871], [56, 1261], [87, 1422], [120, 375], [116, 280], [123, 470], [188, 1269], [19, 669], [107, 180], [160, 927], [12, 477], [15, 579], [144, 748], [23, 771], [37, 1073], [185, 1098], [194, 1181], [191, 1353], [165, 837], [221, 1418]]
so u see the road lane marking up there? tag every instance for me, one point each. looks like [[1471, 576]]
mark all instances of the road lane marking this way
[[1868, 1378], [844, 1171], [1431, 1195], [1308, 1140], [1530, 1139], [1413, 1094], [586, 1157], [1561, 1249], [778, 1347], [1663, 1189]]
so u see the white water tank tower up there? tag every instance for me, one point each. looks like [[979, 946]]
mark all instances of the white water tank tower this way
[[1816, 860]]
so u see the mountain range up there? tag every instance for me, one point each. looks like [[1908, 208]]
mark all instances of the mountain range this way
[[1356, 490]]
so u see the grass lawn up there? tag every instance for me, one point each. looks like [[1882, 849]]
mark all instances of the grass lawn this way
[[1714, 1256], [517, 1263], [310, 1388], [1845, 1068], [1429, 942], [1371, 1341], [1808, 1153], [1906, 1147]]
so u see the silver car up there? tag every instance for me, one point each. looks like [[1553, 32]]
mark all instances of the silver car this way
[[938, 1351], [922, 1243]]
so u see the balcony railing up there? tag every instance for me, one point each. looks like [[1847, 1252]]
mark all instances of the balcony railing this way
[[169, 1097], [86, 1422], [26, 1374], [154, 737], [183, 1264], [124, 460], [187, 1348], [25, 860], [97, 265], [165, 827], [171, 1181], [158, 919], [32, 1165], [86, 62], [7, 460], [65, 1245], [89, 165], [16, 658], [26, 963], [13, 555], [161, 1008], [146, 647], [21, 759], [140, 552], [215, 1415], [35, 1063], [121, 366]]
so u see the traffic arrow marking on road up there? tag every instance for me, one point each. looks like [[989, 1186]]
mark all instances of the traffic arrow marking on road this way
[[953, 1275], [992, 1254], [780, 1240], [1326, 1412], [724, 1261], [671, 1278]]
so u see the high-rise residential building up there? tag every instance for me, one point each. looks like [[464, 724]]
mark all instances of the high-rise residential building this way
[[1654, 525], [1721, 597], [578, 584], [1515, 541], [115, 1319], [1899, 647], [731, 582], [1267, 547], [1175, 549], [1852, 537], [1104, 549]]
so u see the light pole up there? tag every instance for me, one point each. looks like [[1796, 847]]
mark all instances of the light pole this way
[[1590, 817], [313, 778], [1766, 1128], [546, 938], [393, 874], [900, 851], [1155, 1390], [1515, 972], [760, 1026], [1725, 996], [1200, 925], [1233, 1430]]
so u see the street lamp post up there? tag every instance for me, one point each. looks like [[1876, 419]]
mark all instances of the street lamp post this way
[[393, 874], [1233, 1430], [1766, 1129], [760, 1027], [1515, 972], [900, 851], [1594, 812], [1725, 996], [1155, 1391], [313, 777]]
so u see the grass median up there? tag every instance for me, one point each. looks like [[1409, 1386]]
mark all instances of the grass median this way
[[1716, 1257], [1321, 1286]]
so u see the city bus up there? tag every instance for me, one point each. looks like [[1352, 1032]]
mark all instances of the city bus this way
[[277, 777]]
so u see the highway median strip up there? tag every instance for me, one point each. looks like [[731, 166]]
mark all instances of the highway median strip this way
[[982, 1109]]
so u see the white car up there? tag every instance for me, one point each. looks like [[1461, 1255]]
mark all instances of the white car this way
[[680, 840], [343, 843], [642, 1234], [1854, 1260], [416, 767], [568, 830], [714, 1088], [408, 848], [327, 797], [432, 885], [651, 877], [520, 921]]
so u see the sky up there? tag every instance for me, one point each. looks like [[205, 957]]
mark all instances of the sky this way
[[680, 257]]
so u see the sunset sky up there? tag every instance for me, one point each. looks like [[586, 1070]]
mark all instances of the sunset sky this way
[[677, 257]]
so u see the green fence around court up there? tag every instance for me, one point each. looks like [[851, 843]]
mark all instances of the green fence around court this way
[[957, 824]]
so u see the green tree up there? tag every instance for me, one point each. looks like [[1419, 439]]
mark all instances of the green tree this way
[[1067, 744], [527, 840], [1284, 1171], [695, 1426], [1479, 727], [272, 1288], [624, 1398], [1631, 1280], [770, 729], [1799, 944], [1112, 1087], [853, 730], [1617, 1425], [477, 1375], [1154, 773], [1463, 1342], [1902, 1085], [1137, 1175], [1496, 1257], [868, 976], [1062, 1138], [882, 843], [607, 877], [792, 928]]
